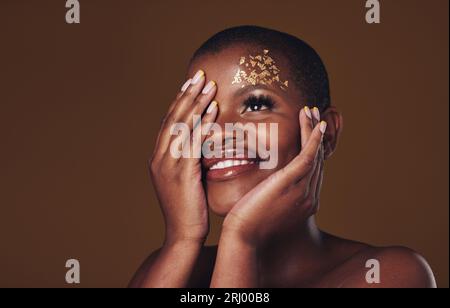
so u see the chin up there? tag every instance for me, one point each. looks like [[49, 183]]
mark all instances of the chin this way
[[221, 210], [221, 205], [224, 195]]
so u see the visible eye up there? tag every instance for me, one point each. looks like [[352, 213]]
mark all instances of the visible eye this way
[[258, 103]]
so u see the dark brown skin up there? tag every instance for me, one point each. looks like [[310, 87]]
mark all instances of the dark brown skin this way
[[269, 236]]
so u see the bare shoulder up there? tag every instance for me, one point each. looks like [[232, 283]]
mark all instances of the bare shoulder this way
[[384, 267], [141, 272]]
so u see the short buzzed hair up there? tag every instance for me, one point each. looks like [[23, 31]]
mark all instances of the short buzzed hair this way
[[306, 67]]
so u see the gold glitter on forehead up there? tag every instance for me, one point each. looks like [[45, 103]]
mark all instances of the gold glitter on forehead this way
[[259, 69]]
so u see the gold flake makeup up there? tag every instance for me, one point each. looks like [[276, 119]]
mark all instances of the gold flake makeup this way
[[259, 70]]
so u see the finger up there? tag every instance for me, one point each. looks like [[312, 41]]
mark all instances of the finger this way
[[315, 175], [201, 131], [314, 171], [195, 118], [184, 87], [306, 160], [316, 115], [306, 125], [200, 104], [188, 97], [317, 179], [184, 102], [169, 111], [309, 182], [209, 118]]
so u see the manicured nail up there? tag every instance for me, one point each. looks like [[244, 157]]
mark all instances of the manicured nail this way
[[308, 112], [198, 76], [212, 107], [316, 113], [211, 85], [186, 85], [323, 127]]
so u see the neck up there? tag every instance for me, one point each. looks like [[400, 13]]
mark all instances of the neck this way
[[292, 255]]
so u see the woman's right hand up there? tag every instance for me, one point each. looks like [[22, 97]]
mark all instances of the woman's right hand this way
[[178, 181]]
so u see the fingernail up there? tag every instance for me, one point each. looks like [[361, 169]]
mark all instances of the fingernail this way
[[209, 87], [198, 76], [323, 127], [212, 107], [186, 85], [316, 113], [308, 112]]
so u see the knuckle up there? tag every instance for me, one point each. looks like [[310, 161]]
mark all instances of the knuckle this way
[[308, 161], [197, 110], [190, 94], [167, 121], [154, 167], [154, 164]]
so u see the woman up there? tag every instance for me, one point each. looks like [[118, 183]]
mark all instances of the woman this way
[[269, 238]]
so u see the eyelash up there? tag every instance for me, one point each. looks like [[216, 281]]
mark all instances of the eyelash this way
[[258, 101]]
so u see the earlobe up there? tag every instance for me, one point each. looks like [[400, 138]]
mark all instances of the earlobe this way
[[335, 123]]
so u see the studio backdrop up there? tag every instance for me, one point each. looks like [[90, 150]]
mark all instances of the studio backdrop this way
[[81, 105]]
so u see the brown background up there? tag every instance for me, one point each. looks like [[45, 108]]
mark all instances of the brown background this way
[[81, 105]]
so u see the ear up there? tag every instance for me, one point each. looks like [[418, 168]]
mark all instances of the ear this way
[[335, 123]]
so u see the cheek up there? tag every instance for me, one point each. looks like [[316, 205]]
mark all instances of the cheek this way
[[289, 140], [280, 138], [284, 137]]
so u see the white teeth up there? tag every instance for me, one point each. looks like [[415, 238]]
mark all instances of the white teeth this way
[[229, 163]]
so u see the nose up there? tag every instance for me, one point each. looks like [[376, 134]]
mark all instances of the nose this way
[[228, 116]]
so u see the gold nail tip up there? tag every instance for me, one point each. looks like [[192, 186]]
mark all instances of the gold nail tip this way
[[212, 106], [199, 74]]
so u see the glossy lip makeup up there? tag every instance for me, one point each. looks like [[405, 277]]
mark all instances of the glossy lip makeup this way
[[222, 169]]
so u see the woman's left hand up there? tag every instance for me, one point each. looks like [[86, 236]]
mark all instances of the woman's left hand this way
[[286, 198]]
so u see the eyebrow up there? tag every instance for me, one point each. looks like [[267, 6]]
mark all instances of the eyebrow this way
[[251, 88]]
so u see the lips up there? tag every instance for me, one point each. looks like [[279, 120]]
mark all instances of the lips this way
[[221, 169]]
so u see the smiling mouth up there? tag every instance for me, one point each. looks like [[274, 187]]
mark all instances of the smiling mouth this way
[[222, 169], [225, 164]]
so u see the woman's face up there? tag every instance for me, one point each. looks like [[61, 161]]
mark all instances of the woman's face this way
[[246, 100]]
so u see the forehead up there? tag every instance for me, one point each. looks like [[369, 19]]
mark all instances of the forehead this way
[[220, 66], [224, 67]]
